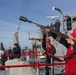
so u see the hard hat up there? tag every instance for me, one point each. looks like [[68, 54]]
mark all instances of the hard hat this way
[[48, 40], [74, 32]]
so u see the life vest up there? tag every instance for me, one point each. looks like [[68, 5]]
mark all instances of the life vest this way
[[49, 49], [70, 66]]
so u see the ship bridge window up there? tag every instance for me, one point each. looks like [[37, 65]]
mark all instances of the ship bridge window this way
[[74, 19]]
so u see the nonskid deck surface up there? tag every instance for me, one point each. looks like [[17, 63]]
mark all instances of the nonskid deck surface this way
[[5, 72]]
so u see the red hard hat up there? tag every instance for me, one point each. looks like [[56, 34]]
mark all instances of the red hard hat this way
[[48, 40], [74, 32]]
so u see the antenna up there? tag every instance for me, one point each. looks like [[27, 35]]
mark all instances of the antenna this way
[[52, 17], [28, 34]]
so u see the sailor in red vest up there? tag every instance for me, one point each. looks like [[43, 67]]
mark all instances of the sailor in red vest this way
[[50, 49], [70, 66]]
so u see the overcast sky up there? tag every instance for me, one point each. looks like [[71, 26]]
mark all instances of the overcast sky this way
[[35, 10]]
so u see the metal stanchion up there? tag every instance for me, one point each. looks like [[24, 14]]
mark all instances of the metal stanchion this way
[[8, 55], [52, 67], [37, 63], [8, 71]]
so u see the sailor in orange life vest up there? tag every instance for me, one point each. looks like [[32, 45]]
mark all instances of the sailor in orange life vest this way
[[50, 49], [70, 66]]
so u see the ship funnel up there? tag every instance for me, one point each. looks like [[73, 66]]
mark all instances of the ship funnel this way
[[15, 37]]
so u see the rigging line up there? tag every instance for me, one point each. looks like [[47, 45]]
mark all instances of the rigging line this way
[[19, 26], [21, 14], [22, 7], [29, 1], [25, 6]]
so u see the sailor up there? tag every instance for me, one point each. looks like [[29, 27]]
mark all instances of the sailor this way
[[16, 51], [2, 60], [70, 44], [50, 49], [57, 25], [70, 66], [52, 25], [9, 53]]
